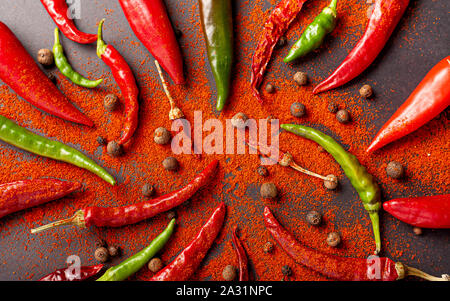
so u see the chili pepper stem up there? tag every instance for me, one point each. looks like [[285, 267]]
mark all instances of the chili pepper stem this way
[[404, 270], [175, 112], [101, 45], [287, 160], [76, 220]]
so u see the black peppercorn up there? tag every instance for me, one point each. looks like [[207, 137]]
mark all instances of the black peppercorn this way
[[314, 218], [394, 170]]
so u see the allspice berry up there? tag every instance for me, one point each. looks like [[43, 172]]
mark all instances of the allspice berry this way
[[148, 190], [161, 136], [45, 57], [239, 120], [268, 191], [113, 251], [101, 254], [114, 149], [229, 273], [301, 78], [297, 109], [333, 239], [395, 170], [332, 183], [314, 218], [111, 102], [366, 91], [342, 116], [270, 88], [268, 247], [155, 265], [170, 163]]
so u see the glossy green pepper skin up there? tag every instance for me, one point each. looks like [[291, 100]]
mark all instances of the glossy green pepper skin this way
[[217, 25], [63, 65], [24, 139], [133, 264], [362, 181], [315, 33]]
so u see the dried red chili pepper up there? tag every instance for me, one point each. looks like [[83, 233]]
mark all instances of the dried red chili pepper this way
[[20, 195], [58, 11], [385, 17], [373, 268], [131, 214], [67, 274], [242, 256], [19, 71], [275, 26], [429, 99], [151, 24], [185, 264], [127, 83], [424, 212]]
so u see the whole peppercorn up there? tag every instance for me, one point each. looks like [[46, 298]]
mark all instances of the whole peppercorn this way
[[301, 78], [281, 42], [331, 184], [417, 230], [395, 170], [111, 102], [268, 191], [366, 91], [262, 171], [101, 140], [114, 149], [171, 214], [286, 270], [148, 190], [45, 57], [101, 254], [155, 265], [342, 116], [314, 218], [229, 273], [298, 109], [113, 251], [333, 107], [333, 239], [270, 88], [268, 247], [161, 136], [239, 120], [170, 163]]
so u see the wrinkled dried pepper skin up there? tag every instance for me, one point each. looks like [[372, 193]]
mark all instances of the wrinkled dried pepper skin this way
[[58, 11], [127, 215], [429, 99], [133, 264], [185, 264], [20, 195], [24, 139], [150, 23], [242, 256], [362, 181], [424, 212], [66, 274], [124, 77], [278, 22], [331, 266], [217, 24], [385, 17], [19, 71]]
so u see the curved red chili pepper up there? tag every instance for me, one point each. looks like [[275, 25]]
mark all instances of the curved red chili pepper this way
[[185, 264], [151, 24], [424, 212], [19, 71], [242, 256], [278, 22], [429, 99], [66, 274], [385, 17], [58, 11], [127, 83], [20, 195]]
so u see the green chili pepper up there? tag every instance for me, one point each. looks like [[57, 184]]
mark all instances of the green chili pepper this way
[[63, 65], [24, 139], [136, 262], [315, 33], [362, 181], [217, 24]]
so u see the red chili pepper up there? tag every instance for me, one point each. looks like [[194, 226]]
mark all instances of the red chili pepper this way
[[373, 268], [67, 274], [151, 24], [127, 83], [19, 71], [185, 264], [429, 99], [58, 10], [20, 195], [384, 18], [424, 212], [278, 22], [131, 214], [242, 256]]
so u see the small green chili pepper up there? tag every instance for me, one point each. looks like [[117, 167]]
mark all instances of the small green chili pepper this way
[[24, 139], [362, 181], [315, 33], [63, 65], [133, 264]]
